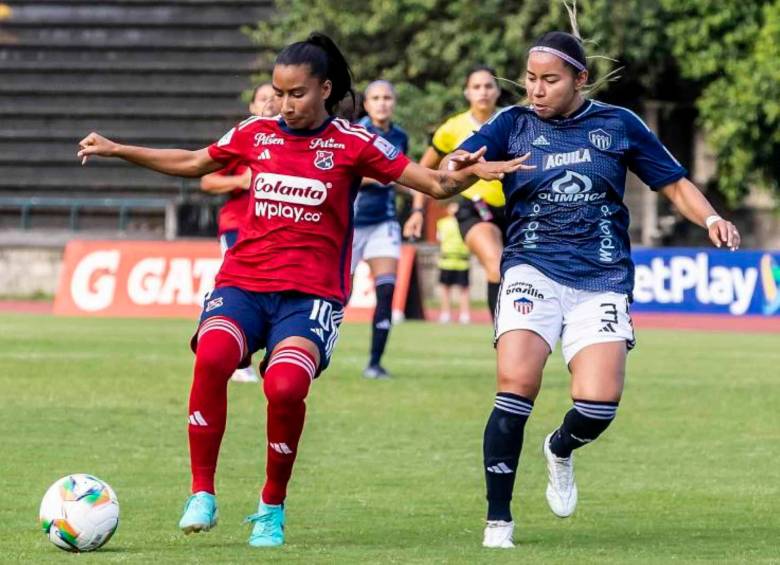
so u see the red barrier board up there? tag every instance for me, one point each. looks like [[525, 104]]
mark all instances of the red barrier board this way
[[136, 278], [170, 279]]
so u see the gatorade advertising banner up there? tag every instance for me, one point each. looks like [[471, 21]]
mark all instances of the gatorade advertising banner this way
[[136, 278], [702, 281], [169, 279]]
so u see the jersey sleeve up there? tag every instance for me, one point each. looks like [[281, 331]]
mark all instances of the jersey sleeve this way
[[381, 160], [648, 157], [494, 135], [230, 146]]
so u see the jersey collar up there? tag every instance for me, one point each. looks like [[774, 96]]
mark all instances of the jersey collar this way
[[304, 132], [583, 108]]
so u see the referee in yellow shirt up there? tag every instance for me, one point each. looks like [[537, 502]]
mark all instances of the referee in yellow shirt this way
[[480, 213]]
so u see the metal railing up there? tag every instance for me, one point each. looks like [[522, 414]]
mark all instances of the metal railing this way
[[123, 206]]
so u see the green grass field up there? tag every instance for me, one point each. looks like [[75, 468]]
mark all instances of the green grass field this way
[[390, 472]]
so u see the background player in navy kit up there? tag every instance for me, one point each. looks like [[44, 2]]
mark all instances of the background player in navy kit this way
[[377, 237], [566, 269], [234, 180]]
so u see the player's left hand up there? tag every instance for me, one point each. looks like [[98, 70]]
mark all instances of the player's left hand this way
[[496, 170], [724, 232]]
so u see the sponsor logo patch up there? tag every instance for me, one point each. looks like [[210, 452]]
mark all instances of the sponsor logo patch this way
[[329, 143], [273, 210], [213, 304], [388, 149], [565, 159], [225, 139], [540, 141], [524, 288], [268, 139], [291, 189], [572, 187]]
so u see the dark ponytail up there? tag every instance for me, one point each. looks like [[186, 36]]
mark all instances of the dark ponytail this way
[[326, 62]]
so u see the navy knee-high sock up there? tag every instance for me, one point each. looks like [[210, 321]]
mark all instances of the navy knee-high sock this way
[[582, 425], [383, 316], [501, 449]]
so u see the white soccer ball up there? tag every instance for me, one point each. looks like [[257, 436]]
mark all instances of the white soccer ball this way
[[79, 513]]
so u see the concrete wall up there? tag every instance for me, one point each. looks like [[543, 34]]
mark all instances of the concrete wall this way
[[29, 271]]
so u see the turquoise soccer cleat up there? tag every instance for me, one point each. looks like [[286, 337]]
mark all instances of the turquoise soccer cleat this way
[[200, 513], [268, 530]]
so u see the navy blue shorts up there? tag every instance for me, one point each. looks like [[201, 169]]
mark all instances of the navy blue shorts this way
[[266, 318]]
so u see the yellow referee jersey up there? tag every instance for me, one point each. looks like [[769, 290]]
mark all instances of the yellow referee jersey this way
[[447, 138]]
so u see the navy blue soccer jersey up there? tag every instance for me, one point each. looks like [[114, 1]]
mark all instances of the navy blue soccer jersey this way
[[567, 217], [375, 203]]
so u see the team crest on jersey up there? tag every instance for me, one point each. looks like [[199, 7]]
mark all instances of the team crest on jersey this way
[[524, 305], [600, 139], [323, 160]]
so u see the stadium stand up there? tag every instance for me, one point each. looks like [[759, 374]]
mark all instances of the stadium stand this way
[[166, 73]]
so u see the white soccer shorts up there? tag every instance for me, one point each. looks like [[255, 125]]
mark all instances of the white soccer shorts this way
[[379, 240], [529, 300]]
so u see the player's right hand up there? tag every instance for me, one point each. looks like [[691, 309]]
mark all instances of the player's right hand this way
[[496, 170], [460, 159], [413, 226], [95, 144]]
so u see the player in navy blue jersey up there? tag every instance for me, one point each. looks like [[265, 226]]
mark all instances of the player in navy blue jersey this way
[[566, 269], [377, 238]]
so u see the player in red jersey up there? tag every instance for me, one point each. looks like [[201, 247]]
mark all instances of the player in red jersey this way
[[283, 285], [234, 180]]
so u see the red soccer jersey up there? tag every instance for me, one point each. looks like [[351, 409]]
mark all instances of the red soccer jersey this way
[[298, 233], [234, 210]]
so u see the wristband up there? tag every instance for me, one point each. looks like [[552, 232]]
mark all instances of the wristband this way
[[711, 220], [420, 210]]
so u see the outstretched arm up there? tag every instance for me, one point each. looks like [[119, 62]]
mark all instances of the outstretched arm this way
[[692, 204], [214, 183], [441, 184], [177, 162], [413, 226]]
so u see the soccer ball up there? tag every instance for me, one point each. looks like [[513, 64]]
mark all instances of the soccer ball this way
[[79, 513]]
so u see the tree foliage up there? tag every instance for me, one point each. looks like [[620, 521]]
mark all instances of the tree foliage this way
[[728, 48], [427, 46], [733, 48]]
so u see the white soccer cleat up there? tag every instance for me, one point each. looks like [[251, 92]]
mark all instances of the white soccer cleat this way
[[246, 375], [498, 534], [561, 488]]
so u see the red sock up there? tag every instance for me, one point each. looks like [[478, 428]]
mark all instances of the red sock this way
[[286, 383], [220, 349]]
